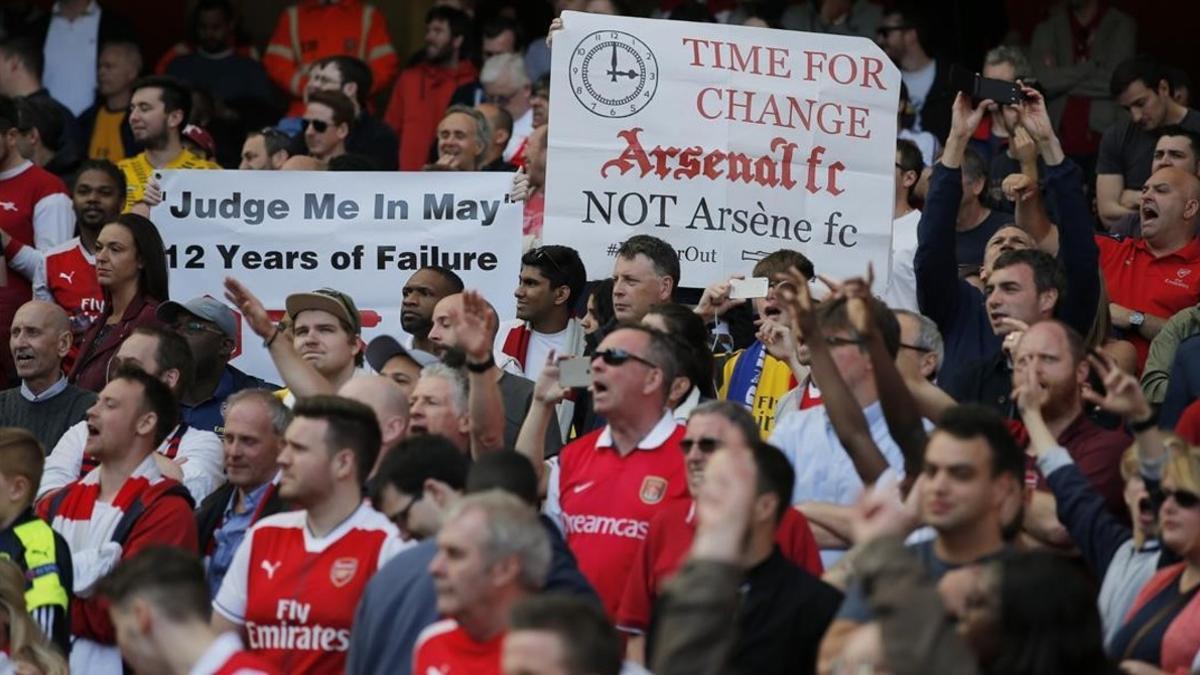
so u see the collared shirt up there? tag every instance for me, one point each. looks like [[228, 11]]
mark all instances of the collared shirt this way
[[209, 414], [50, 392], [686, 406], [71, 54], [228, 536], [824, 471]]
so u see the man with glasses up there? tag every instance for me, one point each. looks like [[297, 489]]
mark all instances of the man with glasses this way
[[904, 37], [826, 471], [506, 84], [369, 136], [328, 118], [712, 425], [605, 487], [265, 150], [212, 332]]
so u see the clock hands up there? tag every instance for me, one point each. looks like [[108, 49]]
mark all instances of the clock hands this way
[[613, 72]]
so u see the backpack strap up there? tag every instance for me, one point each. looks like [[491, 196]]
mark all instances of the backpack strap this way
[[138, 507]]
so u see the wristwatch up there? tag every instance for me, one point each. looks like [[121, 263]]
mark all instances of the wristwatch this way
[[1136, 319]]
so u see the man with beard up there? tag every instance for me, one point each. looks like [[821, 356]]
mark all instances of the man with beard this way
[[211, 331], [231, 73], [423, 91], [421, 294], [66, 274], [1052, 356], [158, 110]]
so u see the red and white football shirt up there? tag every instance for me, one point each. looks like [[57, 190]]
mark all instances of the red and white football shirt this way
[[605, 501], [225, 656], [295, 594], [662, 553], [68, 277], [444, 648]]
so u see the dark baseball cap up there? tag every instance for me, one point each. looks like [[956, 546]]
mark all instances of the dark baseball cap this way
[[384, 348], [329, 300]]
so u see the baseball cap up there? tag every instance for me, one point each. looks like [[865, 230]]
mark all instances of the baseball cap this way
[[384, 348], [201, 137], [329, 300], [204, 307]]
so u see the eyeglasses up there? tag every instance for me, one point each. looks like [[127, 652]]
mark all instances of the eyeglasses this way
[[915, 348], [400, 518], [706, 445], [617, 357], [1184, 498], [320, 126], [194, 327], [839, 341]]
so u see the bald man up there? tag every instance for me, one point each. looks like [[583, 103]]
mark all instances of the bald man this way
[[388, 401], [1151, 278], [468, 332], [44, 403]]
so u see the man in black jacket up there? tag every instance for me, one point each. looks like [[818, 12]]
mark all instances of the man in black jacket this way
[[254, 424]]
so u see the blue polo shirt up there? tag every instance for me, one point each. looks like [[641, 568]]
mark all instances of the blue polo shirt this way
[[210, 415]]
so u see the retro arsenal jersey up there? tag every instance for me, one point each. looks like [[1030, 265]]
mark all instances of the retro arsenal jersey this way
[[444, 648], [607, 501], [295, 594]]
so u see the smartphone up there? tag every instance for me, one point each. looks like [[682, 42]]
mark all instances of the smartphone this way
[[575, 372], [754, 287], [980, 88]]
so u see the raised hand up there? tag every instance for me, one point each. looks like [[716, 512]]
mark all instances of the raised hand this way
[[880, 512], [1013, 337], [251, 308], [520, 186], [547, 390], [1023, 147], [724, 504], [474, 326], [555, 26], [858, 306], [1018, 187], [1122, 393], [715, 300], [797, 303], [1029, 394], [1033, 115], [777, 338], [964, 118]]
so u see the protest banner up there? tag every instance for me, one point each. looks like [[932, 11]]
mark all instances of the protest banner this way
[[728, 142], [283, 232]]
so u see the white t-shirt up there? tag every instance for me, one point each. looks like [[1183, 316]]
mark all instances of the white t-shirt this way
[[901, 291], [919, 82], [540, 345]]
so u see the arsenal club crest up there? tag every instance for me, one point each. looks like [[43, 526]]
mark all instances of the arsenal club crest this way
[[342, 571], [653, 490]]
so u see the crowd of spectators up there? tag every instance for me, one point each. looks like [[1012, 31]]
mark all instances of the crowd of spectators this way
[[988, 464]]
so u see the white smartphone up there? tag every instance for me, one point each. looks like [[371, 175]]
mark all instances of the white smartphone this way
[[575, 372], [754, 287]]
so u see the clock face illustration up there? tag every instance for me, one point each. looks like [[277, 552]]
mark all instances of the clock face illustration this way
[[613, 73]]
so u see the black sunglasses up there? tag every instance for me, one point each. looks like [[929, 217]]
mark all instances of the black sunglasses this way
[[320, 126], [543, 254], [706, 445], [616, 357], [400, 518], [915, 348], [1184, 498]]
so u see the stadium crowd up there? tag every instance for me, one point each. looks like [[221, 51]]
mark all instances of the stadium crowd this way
[[988, 464]]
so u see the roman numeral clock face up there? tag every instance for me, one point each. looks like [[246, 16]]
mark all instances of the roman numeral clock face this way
[[613, 74]]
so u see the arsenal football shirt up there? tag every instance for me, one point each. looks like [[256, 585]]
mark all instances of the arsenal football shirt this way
[[295, 593], [444, 648], [605, 501]]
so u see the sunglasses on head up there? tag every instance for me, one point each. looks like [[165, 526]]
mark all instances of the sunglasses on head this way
[[320, 126], [706, 445], [616, 357], [1184, 498], [543, 254]]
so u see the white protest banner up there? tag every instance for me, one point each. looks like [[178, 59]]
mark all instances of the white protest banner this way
[[726, 141], [283, 232]]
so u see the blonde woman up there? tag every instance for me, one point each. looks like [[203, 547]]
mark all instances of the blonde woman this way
[[28, 650]]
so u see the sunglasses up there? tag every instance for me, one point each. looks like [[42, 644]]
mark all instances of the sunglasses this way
[[400, 518], [617, 357], [706, 445], [542, 254], [915, 348], [1184, 498], [320, 126]]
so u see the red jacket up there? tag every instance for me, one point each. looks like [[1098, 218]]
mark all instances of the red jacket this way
[[421, 95]]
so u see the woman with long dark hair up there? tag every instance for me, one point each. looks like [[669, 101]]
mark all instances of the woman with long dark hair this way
[[131, 267]]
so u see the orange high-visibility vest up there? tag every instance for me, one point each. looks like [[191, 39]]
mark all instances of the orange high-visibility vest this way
[[311, 30]]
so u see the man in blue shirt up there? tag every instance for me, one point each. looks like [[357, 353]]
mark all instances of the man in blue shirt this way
[[211, 331], [255, 422]]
